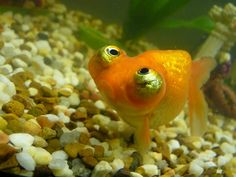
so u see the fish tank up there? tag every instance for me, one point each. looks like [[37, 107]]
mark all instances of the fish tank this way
[[124, 88]]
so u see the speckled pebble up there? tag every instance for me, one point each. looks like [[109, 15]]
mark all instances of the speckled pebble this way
[[13, 106]]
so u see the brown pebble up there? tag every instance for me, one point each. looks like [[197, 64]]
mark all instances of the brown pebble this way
[[48, 133], [6, 151], [122, 173], [218, 150], [73, 149], [4, 138], [16, 125], [47, 92], [98, 135], [78, 116], [31, 127], [181, 170], [84, 138], [90, 161], [9, 116], [86, 152], [9, 163], [20, 77], [27, 116], [112, 114], [178, 152], [14, 107], [98, 151], [89, 105], [48, 100], [38, 110], [53, 145], [42, 170], [44, 122], [210, 171], [26, 101]]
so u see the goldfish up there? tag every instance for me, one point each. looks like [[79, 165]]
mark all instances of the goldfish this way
[[151, 89]]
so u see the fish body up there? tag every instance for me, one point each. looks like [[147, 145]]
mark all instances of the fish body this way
[[152, 88]]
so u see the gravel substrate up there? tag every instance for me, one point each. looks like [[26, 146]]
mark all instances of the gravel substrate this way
[[53, 122]]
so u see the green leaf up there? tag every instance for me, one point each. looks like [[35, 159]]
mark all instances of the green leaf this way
[[143, 15], [94, 38], [203, 23]]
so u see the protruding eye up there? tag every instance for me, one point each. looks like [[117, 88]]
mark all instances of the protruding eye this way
[[148, 81], [143, 71], [113, 51], [109, 53]]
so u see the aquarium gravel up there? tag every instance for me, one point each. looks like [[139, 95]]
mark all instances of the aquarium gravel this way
[[53, 122]]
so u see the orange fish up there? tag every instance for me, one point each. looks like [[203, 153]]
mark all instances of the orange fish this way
[[152, 88]]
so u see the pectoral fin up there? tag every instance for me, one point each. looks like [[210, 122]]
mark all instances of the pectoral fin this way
[[142, 136], [197, 105]]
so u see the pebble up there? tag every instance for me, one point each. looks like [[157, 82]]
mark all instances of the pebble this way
[[33, 91], [223, 159], [60, 154], [14, 106], [134, 174], [69, 137], [103, 168], [74, 99], [79, 168], [56, 164], [207, 155], [4, 138], [122, 173], [26, 161], [3, 123], [2, 60], [40, 142], [40, 155], [173, 144], [52, 117], [228, 148], [148, 170], [9, 163], [100, 104], [117, 164], [195, 169], [21, 139], [6, 151], [18, 63], [6, 69]]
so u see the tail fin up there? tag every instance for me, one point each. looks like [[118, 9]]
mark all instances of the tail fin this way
[[197, 105]]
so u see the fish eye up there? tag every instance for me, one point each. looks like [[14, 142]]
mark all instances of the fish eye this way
[[143, 71], [113, 51]]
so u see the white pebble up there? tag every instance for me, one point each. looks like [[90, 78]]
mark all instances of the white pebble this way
[[18, 63], [59, 77], [228, 148], [21, 139], [100, 104], [43, 46], [103, 168], [26, 161], [52, 117], [94, 141], [33, 91], [209, 165], [74, 99], [60, 154], [134, 174], [8, 35], [8, 50], [173, 144], [223, 159], [6, 69], [2, 60], [207, 155], [63, 117], [57, 164], [25, 27], [149, 169], [117, 164], [40, 155], [195, 169]]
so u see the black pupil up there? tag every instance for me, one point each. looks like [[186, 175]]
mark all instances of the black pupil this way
[[144, 71], [113, 52]]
